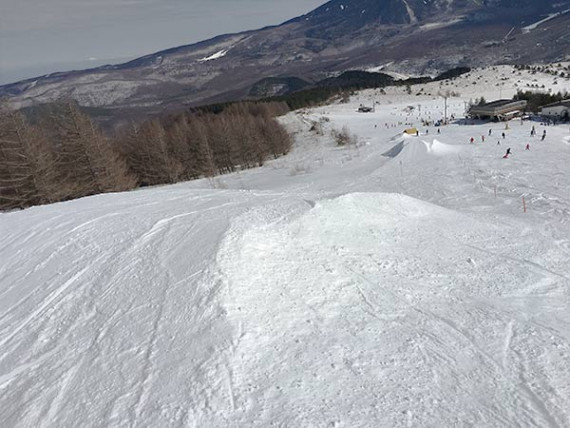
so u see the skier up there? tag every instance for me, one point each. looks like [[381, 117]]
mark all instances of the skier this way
[[490, 131], [543, 135], [507, 154], [527, 147], [471, 140], [503, 134], [482, 138], [499, 143]]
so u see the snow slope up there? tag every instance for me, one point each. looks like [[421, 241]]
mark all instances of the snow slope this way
[[333, 287]]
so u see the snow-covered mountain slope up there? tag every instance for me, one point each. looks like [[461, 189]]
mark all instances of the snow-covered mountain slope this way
[[416, 36], [332, 287]]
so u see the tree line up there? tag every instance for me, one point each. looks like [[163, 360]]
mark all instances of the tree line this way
[[535, 100], [62, 155]]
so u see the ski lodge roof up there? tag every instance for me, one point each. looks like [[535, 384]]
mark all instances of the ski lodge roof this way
[[499, 108]]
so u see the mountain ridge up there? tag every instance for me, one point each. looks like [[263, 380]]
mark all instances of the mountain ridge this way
[[417, 36]]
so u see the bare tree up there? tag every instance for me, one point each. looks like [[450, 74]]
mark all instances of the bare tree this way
[[200, 148], [27, 165], [148, 156], [89, 163], [65, 156]]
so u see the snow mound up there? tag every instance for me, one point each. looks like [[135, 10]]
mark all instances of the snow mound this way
[[349, 298], [412, 148], [376, 208], [438, 148]]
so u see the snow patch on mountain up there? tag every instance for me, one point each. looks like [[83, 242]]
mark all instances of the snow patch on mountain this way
[[381, 69], [531, 27], [411, 13], [442, 24], [214, 56]]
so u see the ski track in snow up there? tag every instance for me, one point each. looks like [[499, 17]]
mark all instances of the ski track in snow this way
[[332, 287]]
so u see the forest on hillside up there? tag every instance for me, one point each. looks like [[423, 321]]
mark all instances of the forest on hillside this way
[[61, 154]]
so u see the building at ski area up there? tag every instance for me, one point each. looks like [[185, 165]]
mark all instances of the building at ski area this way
[[559, 110], [498, 110]]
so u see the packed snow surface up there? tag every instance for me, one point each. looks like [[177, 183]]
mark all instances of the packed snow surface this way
[[333, 287]]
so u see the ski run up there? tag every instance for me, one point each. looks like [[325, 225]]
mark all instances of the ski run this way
[[393, 282]]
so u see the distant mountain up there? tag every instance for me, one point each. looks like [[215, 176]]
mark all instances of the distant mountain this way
[[409, 36]]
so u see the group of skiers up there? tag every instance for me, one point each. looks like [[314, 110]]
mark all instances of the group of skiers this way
[[527, 147]]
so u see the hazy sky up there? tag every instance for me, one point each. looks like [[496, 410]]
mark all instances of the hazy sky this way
[[42, 36]]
